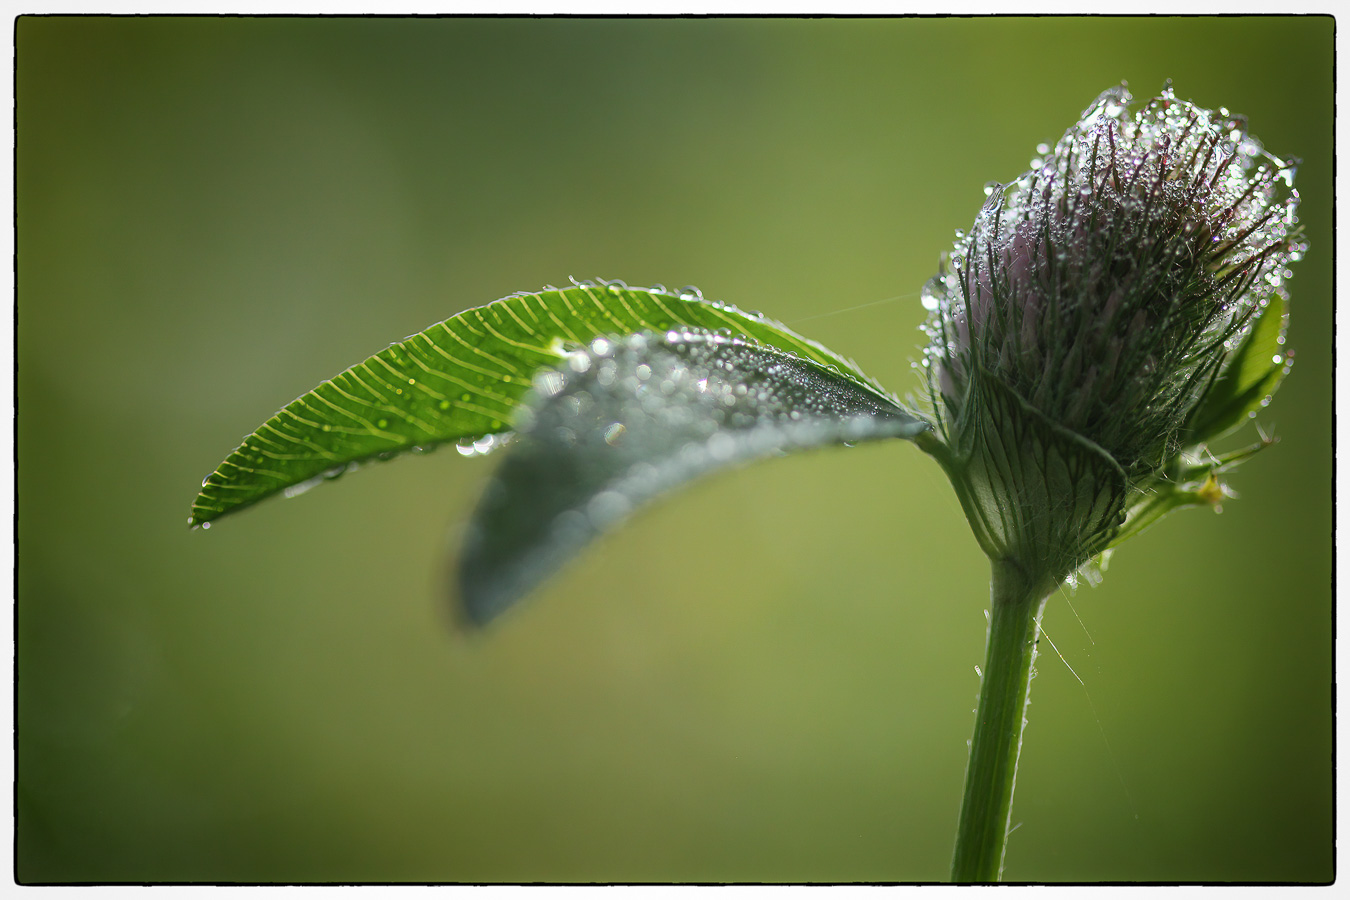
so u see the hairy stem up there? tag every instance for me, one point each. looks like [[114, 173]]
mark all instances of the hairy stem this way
[[1016, 603]]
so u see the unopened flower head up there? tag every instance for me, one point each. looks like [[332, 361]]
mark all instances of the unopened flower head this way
[[1092, 304], [1104, 285]]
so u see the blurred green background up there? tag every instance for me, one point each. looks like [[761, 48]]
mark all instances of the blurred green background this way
[[769, 677]]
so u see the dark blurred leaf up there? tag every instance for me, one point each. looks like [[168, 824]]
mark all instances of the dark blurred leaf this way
[[462, 379], [622, 422]]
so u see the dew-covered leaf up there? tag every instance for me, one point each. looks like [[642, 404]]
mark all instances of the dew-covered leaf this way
[[462, 379], [1251, 375], [625, 420]]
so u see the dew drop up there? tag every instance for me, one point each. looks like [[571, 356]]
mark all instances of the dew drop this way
[[481, 446], [604, 376], [548, 383], [606, 508], [443, 405], [382, 423]]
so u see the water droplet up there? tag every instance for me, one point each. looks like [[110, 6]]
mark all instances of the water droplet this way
[[206, 526], [382, 423], [689, 292], [481, 446], [721, 445], [443, 405], [549, 383], [606, 508]]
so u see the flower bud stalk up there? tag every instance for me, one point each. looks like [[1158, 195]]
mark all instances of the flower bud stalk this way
[[1016, 603]]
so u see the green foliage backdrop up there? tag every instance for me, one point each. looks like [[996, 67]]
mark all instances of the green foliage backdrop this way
[[770, 677]]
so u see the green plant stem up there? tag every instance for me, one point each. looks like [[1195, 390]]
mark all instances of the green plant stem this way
[[1016, 603]]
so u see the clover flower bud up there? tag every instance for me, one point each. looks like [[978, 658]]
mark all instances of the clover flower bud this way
[[1078, 324]]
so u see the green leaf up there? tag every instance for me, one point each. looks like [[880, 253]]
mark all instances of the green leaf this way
[[1252, 374], [622, 422], [462, 379]]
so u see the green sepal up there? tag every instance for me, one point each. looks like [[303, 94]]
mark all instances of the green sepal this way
[[1034, 492], [1184, 484], [463, 379], [1250, 377]]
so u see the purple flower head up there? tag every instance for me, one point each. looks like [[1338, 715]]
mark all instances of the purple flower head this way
[[1105, 286]]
